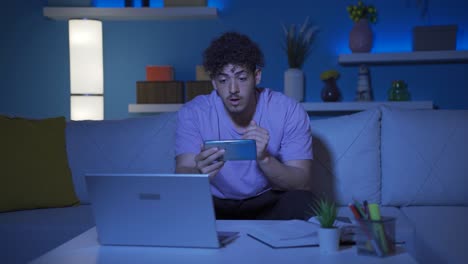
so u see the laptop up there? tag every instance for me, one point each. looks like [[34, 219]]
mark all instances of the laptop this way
[[169, 210]]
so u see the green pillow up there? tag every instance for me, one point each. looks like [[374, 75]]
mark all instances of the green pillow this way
[[34, 170]]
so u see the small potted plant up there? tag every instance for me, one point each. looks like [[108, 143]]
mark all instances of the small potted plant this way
[[329, 233], [297, 44]]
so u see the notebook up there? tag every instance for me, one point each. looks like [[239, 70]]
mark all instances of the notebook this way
[[170, 210]]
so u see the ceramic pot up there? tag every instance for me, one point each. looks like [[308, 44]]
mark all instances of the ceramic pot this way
[[329, 240], [294, 84], [330, 92], [361, 37]]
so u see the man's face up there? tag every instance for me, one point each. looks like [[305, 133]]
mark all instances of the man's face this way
[[236, 87]]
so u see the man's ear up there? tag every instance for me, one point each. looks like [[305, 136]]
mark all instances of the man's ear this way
[[214, 84], [258, 76]]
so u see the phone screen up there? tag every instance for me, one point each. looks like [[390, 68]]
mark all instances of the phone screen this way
[[235, 149]]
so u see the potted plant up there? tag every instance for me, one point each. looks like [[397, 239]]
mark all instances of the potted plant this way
[[297, 44], [361, 37], [329, 233]]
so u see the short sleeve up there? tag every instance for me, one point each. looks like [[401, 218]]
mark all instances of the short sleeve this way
[[188, 136], [297, 137]]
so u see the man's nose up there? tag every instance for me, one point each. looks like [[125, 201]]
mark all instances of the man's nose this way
[[233, 87]]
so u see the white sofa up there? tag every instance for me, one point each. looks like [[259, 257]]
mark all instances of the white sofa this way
[[413, 163]]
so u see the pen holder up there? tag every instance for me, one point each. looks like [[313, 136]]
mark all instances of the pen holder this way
[[375, 237]]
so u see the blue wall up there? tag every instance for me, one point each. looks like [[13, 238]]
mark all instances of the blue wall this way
[[34, 69]]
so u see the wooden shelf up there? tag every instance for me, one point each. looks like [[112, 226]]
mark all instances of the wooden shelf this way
[[130, 13], [309, 107], [421, 57]]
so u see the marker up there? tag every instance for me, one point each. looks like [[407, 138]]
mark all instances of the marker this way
[[354, 211], [374, 213]]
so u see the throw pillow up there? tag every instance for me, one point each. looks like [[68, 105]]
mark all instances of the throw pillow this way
[[346, 162], [424, 157], [140, 144], [34, 171]]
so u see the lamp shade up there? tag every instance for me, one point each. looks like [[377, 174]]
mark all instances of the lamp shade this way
[[86, 69], [90, 107], [86, 61]]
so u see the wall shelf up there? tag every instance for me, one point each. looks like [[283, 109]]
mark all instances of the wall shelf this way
[[130, 13], [421, 57], [309, 107]]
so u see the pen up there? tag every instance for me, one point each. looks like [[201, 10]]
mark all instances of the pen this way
[[359, 208], [366, 208]]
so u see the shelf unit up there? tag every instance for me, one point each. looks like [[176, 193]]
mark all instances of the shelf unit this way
[[130, 13], [309, 107], [450, 56]]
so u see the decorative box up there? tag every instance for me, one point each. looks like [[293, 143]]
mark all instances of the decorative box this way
[[201, 74], [180, 3], [160, 92], [159, 73], [427, 38], [195, 88], [71, 3]]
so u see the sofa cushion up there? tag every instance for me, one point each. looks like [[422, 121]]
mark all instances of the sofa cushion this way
[[26, 235], [34, 171], [425, 150], [140, 144], [440, 233], [346, 162]]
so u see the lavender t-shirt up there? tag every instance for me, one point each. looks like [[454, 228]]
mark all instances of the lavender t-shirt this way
[[205, 118]]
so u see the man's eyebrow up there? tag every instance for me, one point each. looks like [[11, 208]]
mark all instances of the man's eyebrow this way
[[236, 73], [240, 72]]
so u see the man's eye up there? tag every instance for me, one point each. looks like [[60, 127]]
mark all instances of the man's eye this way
[[243, 79], [222, 81]]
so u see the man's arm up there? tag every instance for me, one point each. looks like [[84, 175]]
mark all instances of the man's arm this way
[[290, 175], [185, 163], [206, 162]]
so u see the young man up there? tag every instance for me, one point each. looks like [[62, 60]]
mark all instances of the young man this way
[[271, 187]]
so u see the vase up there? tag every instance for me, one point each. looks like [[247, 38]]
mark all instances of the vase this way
[[330, 92], [361, 37], [329, 240], [294, 84], [398, 91]]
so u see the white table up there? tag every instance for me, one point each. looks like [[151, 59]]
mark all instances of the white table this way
[[85, 249]]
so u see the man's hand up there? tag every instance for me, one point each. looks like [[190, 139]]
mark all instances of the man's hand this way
[[261, 137], [208, 161]]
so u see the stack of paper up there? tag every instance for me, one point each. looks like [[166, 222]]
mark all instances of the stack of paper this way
[[295, 233]]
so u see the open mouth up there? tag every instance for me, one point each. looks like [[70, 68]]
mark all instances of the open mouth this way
[[234, 101]]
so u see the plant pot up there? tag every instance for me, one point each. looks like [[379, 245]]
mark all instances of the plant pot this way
[[361, 37], [329, 240], [294, 84]]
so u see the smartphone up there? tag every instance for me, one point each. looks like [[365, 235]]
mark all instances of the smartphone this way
[[235, 149]]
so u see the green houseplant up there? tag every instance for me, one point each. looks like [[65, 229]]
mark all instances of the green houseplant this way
[[298, 40], [329, 234], [326, 212], [362, 11]]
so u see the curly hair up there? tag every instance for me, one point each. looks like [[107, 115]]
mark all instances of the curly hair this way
[[232, 48]]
